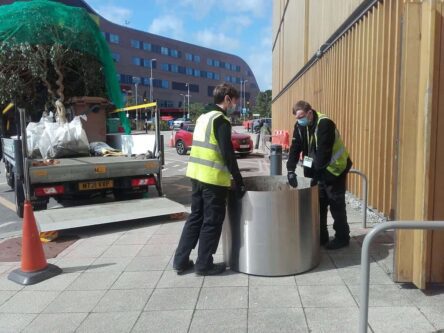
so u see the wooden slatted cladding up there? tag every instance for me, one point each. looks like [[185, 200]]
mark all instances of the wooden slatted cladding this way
[[382, 83], [354, 83]]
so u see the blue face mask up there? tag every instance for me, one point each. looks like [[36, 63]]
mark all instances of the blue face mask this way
[[303, 121]]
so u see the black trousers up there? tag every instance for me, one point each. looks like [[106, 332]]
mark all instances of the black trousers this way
[[208, 204], [333, 195]]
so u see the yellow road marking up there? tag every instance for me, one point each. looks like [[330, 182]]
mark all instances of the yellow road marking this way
[[8, 204]]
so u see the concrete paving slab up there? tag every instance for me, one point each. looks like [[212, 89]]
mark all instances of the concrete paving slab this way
[[5, 295], [153, 263], [164, 239], [276, 320], [329, 277], [157, 250], [255, 281], [55, 322], [109, 264], [326, 296], [6, 284], [123, 300], [432, 297], [398, 319], [173, 299], [28, 302], [170, 279], [134, 239], [352, 276], [94, 281], [332, 320], [176, 321], [122, 251], [59, 282], [223, 298], [75, 301], [219, 321], [434, 315], [137, 280], [75, 265], [116, 322], [383, 295], [15, 322], [227, 279], [87, 251], [274, 297]]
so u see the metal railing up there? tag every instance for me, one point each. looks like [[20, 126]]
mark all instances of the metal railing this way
[[365, 261], [364, 195]]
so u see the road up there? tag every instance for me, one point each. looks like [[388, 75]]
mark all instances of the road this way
[[176, 186]]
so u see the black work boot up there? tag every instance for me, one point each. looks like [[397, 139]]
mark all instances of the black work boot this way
[[184, 269], [337, 243], [214, 269], [324, 237]]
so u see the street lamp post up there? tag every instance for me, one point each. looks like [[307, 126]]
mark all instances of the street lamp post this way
[[183, 105], [243, 99], [188, 96], [137, 100], [240, 104], [151, 85]]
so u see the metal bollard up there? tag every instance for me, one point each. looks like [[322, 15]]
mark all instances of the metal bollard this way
[[276, 160]]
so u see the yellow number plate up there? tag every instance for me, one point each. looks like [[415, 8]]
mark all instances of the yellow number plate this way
[[98, 185]]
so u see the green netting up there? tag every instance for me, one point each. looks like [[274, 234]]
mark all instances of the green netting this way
[[47, 22]]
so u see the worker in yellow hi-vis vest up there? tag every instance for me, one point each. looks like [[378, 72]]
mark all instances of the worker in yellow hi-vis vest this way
[[327, 162], [211, 166]]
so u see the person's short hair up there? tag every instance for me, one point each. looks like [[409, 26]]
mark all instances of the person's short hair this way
[[222, 90], [301, 105]]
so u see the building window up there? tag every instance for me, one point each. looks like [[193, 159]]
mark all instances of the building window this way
[[210, 90], [116, 56], [227, 78], [174, 53], [216, 76], [165, 67], [128, 79], [145, 81], [174, 68], [210, 75], [237, 80], [197, 72], [196, 58], [216, 63], [179, 86], [237, 68], [165, 84], [182, 70], [146, 46], [164, 50], [146, 63], [114, 38], [189, 71], [194, 88], [189, 56], [136, 61], [210, 62], [227, 65], [118, 77], [135, 44]]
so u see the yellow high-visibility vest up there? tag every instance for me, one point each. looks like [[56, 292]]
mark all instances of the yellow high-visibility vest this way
[[206, 163], [339, 155]]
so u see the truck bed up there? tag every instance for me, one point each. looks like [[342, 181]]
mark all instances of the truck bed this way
[[88, 168]]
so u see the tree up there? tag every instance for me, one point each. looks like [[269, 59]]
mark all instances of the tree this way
[[196, 109], [263, 104]]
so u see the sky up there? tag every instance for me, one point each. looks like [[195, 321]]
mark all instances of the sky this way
[[239, 27]]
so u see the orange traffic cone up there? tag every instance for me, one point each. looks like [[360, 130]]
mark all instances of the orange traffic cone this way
[[34, 267]]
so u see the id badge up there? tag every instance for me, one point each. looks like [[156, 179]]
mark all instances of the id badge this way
[[308, 162]]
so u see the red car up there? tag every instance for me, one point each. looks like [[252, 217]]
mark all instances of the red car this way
[[183, 138]]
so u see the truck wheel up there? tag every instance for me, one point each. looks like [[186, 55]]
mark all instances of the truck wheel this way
[[19, 197], [180, 147]]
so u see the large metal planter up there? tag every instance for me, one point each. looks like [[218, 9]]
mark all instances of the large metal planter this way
[[274, 229]]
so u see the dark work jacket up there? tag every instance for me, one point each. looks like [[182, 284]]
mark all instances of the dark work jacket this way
[[222, 132], [321, 154]]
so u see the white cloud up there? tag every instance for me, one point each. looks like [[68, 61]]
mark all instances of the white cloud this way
[[236, 23], [115, 14], [260, 59], [217, 40], [167, 25]]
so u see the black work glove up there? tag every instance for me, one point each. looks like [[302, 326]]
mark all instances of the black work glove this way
[[240, 191], [292, 179], [313, 182]]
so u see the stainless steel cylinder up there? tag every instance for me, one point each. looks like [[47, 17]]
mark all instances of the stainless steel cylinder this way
[[274, 229]]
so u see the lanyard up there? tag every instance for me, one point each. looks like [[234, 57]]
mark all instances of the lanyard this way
[[309, 141]]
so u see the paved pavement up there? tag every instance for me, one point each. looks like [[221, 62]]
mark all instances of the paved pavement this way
[[119, 278]]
